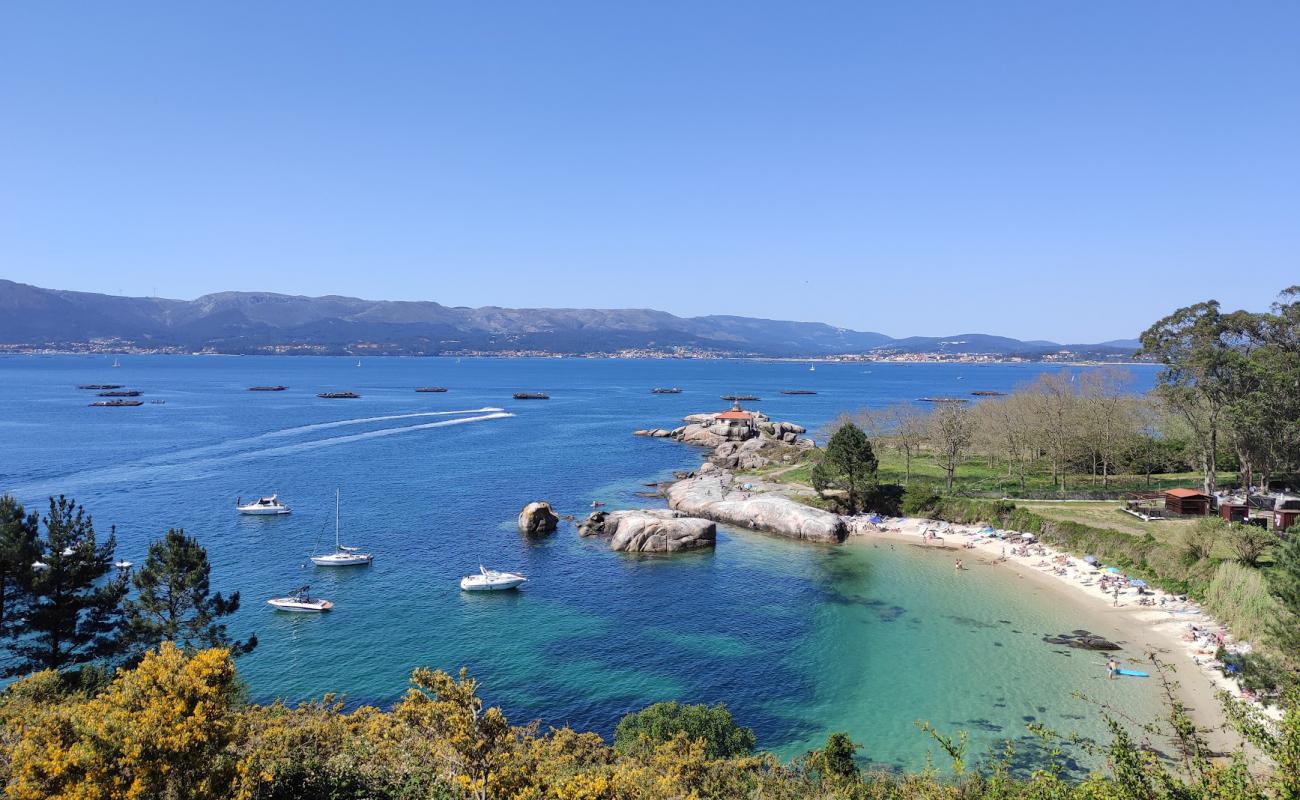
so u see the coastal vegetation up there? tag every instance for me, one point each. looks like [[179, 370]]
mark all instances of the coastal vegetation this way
[[175, 726]]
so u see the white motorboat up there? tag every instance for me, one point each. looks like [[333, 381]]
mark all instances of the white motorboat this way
[[490, 580], [124, 564], [342, 556], [300, 600], [263, 505]]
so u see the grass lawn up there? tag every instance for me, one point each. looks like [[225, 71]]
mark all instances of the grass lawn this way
[[976, 477], [1106, 514]]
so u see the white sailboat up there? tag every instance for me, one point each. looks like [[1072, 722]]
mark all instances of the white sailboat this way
[[300, 600], [490, 580], [115, 363], [812, 367], [342, 556]]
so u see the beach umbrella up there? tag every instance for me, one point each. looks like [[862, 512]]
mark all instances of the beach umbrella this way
[[1090, 559], [1113, 570], [1138, 583], [1028, 537], [875, 519]]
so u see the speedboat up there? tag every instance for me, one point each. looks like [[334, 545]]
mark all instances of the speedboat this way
[[124, 564], [263, 505], [342, 556], [300, 600], [490, 580]]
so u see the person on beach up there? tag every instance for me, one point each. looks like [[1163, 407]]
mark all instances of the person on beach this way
[[959, 565], [1111, 666], [1117, 595]]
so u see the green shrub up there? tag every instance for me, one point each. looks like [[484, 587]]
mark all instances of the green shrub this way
[[658, 723], [918, 499], [1238, 595]]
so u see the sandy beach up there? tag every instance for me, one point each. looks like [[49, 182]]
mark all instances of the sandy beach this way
[[1140, 629]]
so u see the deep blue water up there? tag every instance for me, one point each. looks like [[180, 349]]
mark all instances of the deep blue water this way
[[799, 640]]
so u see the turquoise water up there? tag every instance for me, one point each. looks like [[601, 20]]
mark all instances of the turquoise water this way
[[799, 640]]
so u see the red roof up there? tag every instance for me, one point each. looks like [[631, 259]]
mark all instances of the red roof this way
[[735, 415], [1186, 493]]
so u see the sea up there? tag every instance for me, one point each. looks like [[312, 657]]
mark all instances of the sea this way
[[798, 640]]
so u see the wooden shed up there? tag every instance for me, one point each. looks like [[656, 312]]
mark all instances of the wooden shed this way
[[1286, 519], [1234, 512], [1188, 502]]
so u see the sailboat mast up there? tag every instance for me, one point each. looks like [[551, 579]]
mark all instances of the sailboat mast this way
[[336, 519]]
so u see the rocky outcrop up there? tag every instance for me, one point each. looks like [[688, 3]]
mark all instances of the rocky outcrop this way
[[538, 519], [650, 531], [739, 447], [715, 495], [1084, 640]]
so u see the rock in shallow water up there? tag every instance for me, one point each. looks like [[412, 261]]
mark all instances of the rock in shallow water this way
[[713, 496], [538, 519], [650, 531]]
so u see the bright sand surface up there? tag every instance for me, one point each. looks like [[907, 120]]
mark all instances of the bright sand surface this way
[[1164, 631]]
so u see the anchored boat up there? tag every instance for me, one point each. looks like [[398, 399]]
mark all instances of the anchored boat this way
[[263, 506], [342, 556], [490, 580], [300, 600]]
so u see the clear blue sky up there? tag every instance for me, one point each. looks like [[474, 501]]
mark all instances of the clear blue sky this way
[[1063, 170]]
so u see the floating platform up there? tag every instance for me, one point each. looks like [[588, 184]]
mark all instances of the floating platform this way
[[339, 395], [531, 396], [987, 393], [666, 390], [736, 398], [941, 400], [121, 393], [117, 403], [100, 386], [797, 391], [267, 388], [435, 389]]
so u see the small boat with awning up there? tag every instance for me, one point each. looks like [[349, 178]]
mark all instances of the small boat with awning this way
[[300, 600]]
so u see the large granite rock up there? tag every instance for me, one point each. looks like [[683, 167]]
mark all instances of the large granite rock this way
[[650, 531], [715, 495], [538, 519]]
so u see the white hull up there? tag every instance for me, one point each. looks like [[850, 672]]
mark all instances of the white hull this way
[[291, 604], [342, 560], [491, 582], [265, 506]]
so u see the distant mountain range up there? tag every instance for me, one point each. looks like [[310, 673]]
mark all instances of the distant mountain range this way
[[258, 322]]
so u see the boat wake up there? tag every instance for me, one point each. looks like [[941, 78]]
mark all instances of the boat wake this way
[[357, 437], [191, 461], [320, 426]]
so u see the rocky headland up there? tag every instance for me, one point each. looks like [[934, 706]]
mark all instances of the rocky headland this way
[[746, 440]]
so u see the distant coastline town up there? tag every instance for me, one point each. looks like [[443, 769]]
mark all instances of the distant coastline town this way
[[883, 355]]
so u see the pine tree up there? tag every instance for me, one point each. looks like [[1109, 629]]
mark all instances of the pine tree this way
[[74, 606], [851, 463], [174, 602], [18, 551]]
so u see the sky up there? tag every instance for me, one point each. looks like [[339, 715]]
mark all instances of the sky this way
[[1056, 170]]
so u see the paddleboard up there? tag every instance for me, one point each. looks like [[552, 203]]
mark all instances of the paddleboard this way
[[1132, 673]]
